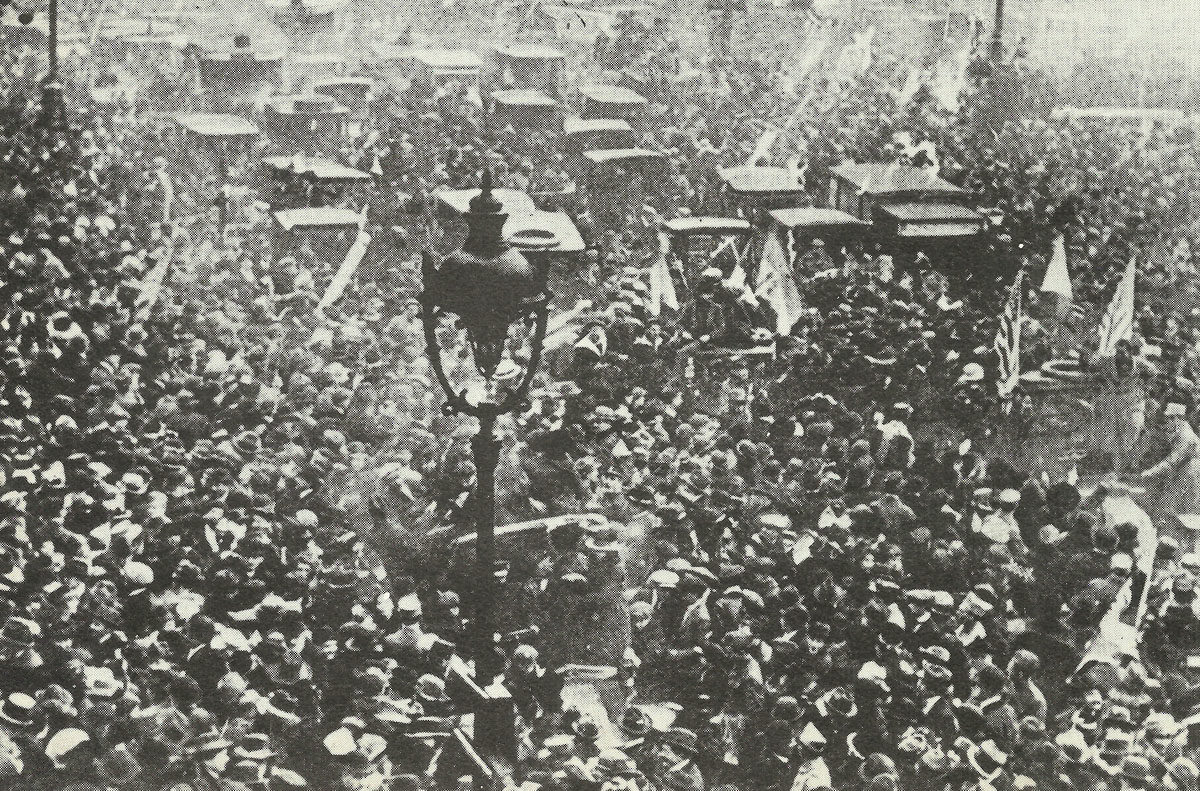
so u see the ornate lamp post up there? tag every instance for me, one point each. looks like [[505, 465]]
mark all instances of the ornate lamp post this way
[[490, 287]]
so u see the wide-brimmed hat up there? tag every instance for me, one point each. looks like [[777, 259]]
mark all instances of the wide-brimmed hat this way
[[17, 709], [430, 688], [119, 767], [987, 759], [254, 747]]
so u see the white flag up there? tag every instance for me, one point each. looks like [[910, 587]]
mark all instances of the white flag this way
[[762, 150], [164, 178], [1117, 324], [662, 288], [777, 287], [1058, 280], [349, 266]]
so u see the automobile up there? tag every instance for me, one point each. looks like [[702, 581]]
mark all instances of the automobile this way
[[702, 234], [535, 66], [329, 231], [611, 101], [213, 140], [524, 107], [235, 75], [753, 189], [588, 134], [300, 180], [527, 227], [311, 122], [350, 92], [858, 188], [799, 227]]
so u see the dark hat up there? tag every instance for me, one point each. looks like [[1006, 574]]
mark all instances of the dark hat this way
[[254, 747], [586, 729], [636, 722], [679, 779]]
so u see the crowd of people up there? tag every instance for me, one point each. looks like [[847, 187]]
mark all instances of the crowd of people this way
[[226, 508]]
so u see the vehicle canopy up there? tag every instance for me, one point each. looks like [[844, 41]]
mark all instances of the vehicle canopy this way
[[531, 52], [219, 126], [688, 233], [597, 133], [327, 85], [449, 61], [857, 188], [815, 220], [316, 219], [314, 168], [610, 101], [929, 220], [757, 180], [524, 107]]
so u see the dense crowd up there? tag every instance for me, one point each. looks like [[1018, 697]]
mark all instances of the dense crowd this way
[[221, 502]]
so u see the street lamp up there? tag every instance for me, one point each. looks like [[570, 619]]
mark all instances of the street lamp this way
[[51, 89], [489, 287]]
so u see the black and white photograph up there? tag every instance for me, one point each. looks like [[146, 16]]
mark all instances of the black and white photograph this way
[[599, 395]]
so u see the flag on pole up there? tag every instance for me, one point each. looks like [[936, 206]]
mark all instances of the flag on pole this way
[[164, 179], [1008, 340], [762, 149], [1117, 324], [776, 286], [1057, 279], [662, 288], [354, 257]]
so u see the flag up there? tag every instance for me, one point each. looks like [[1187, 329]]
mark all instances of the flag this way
[[1008, 340], [1057, 279], [950, 78], [662, 288], [762, 149], [354, 257], [814, 48], [912, 84], [1117, 324], [151, 286], [164, 178], [776, 286]]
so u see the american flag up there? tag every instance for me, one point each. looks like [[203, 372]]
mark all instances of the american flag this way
[[1117, 324], [1008, 340]]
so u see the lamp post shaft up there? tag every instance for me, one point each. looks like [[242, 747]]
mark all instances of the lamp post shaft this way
[[52, 41], [486, 448], [998, 32], [51, 90]]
